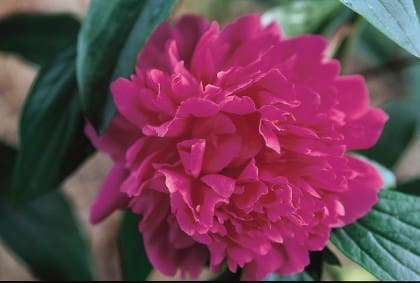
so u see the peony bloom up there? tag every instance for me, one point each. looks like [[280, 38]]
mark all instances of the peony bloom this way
[[231, 144]]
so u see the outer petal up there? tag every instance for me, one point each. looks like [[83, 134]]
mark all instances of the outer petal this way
[[363, 190], [152, 54], [263, 265], [117, 138], [109, 197], [188, 31], [352, 95], [203, 63], [127, 97], [167, 259], [365, 131]]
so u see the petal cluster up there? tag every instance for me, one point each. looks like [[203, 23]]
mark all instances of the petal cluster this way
[[231, 144]]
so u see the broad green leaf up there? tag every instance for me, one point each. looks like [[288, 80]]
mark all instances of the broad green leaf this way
[[386, 241], [52, 140], [135, 265], [301, 16], [398, 132], [45, 235], [411, 187], [112, 34], [397, 19], [36, 37]]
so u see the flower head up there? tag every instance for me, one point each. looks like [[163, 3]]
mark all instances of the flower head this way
[[231, 143]]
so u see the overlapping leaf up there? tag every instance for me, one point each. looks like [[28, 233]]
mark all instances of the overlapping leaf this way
[[396, 19], [52, 141], [111, 37], [43, 233], [385, 242]]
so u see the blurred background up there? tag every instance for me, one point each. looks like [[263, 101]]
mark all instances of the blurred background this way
[[391, 75]]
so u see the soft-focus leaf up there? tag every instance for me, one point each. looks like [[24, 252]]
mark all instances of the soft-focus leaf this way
[[385, 241], [7, 161], [397, 134], [396, 19], [52, 140], [45, 235], [301, 16], [36, 37], [135, 265], [411, 187], [330, 258], [227, 276], [112, 34]]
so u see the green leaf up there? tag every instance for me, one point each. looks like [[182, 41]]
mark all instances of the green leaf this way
[[52, 140], [385, 241], [45, 235], [411, 187], [302, 16], [36, 37], [135, 264], [112, 34], [329, 257], [398, 132], [396, 19], [7, 161]]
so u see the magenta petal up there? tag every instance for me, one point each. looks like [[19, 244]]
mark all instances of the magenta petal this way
[[172, 128], [152, 55], [250, 172], [296, 258], [363, 190], [218, 155], [267, 131], [109, 197], [167, 259], [236, 105], [197, 107], [263, 265], [188, 31], [203, 63], [222, 185], [365, 131], [116, 139], [127, 100], [352, 95], [191, 153]]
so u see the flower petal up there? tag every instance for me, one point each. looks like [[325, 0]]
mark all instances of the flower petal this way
[[109, 198]]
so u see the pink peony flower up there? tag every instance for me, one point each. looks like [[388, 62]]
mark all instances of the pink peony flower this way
[[231, 143]]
